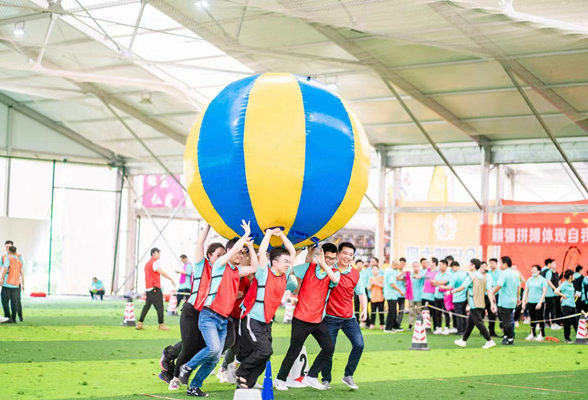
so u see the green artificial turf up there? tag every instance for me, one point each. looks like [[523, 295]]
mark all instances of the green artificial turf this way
[[77, 349]]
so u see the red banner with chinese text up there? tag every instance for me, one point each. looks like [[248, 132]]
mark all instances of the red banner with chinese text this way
[[531, 238]]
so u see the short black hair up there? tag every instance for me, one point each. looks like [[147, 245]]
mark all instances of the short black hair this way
[[493, 259], [548, 261], [506, 260], [579, 268], [10, 242], [155, 250], [349, 245], [454, 264], [12, 249], [449, 258], [231, 243], [477, 263], [434, 260], [401, 259], [421, 260], [444, 261], [536, 266], [329, 248], [359, 260], [183, 256], [213, 247], [483, 263], [376, 258], [567, 274], [277, 253]]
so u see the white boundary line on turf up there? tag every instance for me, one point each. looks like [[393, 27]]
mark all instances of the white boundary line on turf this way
[[158, 397], [516, 387]]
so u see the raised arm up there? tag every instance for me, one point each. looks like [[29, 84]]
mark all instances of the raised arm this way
[[199, 254], [238, 246], [320, 258], [244, 271], [288, 245], [310, 253], [262, 252]]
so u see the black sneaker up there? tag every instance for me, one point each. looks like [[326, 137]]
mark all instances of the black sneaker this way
[[165, 376], [184, 374], [196, 392], [509, 342]]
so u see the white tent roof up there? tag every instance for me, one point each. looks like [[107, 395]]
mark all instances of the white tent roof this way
[[120, 79]]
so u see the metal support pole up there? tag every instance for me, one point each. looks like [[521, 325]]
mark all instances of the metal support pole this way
[[499, 197], [136, 28], [51, 231], [137, 247], [381, 230], [121, 182], [485, 191], [131, 253], [52, 19], [393, 215], [8, 161]]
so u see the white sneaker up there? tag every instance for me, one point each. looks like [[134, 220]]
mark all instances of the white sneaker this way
[[231, 374], [437, 331], [399, 330], [516, 324], [453, 330], [556, 327], [530, 337], [221, 375], [3, 319], [539, 338], [460, 342], [280, 385], [348, 380], [390, 330], [527, 321], [445, 331], [489, 344], [174, 384], [312, 382], [258, 386]]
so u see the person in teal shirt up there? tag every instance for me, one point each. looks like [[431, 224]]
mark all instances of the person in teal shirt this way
[[533, 300], [391, 294], [185, 286], [458, 277], [568, 294], [441, 279], [477, 285], [508, 285], [97, 289]]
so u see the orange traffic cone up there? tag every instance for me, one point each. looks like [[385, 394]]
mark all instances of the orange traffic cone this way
[[581, 334], [426, 314], [172, 307], [129, 319], [419, 337]]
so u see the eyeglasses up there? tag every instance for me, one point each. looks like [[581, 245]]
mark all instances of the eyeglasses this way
[[330, 258], [243, 252]]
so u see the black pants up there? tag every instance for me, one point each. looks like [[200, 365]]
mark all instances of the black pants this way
[[231, 347], [255, 349], [192, 341], [476, 319], [491, 316], [378, 309], [439, 303], [558, 310], [401, 302], [536, 315], [182, 296], [19, 304], [505, 315], [392, 318], [10, 299], [155, 297], [569, 322], [98, 293], [460, 322], [356, 307], [300, 331], [549, 309]]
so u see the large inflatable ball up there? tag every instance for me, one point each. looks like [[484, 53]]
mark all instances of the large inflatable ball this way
[[278, 150]]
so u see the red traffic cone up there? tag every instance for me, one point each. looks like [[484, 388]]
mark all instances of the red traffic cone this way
[[129, 319], [172, 307], [419, 336], [426, 314], [581, 334], [289, 313]]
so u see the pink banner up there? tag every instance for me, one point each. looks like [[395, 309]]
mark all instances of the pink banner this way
[[161, 191], [409, 295]]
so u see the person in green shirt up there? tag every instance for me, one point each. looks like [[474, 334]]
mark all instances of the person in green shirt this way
[[509, 287], [568, 304], [533, 300]]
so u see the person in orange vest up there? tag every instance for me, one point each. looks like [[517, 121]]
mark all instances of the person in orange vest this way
[[9, 243], [12, 280], [153, 274]]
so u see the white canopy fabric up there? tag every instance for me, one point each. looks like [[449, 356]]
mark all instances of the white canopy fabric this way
[[121, 81]]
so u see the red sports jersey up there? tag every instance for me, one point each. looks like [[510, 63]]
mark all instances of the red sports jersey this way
[[312, 297], [340, 302]]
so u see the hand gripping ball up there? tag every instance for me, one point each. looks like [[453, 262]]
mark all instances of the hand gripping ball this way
[[278, 150]]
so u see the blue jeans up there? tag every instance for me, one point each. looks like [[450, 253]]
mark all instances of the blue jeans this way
[[351, 329], [214, 331]]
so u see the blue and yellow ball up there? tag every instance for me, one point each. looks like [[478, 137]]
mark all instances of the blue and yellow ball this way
[[279, 150]]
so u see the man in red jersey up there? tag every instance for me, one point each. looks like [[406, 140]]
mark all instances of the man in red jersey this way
[[318, 279], [339, 314], [153, 274]]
